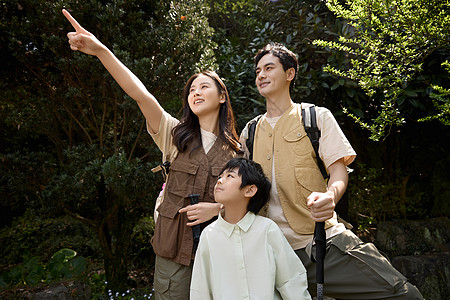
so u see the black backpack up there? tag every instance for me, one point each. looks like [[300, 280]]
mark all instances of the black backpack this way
[[313, 132]]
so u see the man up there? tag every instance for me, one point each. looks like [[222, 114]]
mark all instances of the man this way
[[300, 196]]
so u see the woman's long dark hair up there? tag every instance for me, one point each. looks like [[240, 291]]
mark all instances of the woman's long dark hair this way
[[189, 126]]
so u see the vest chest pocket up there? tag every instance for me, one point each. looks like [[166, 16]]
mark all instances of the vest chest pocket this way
[[298, 141], [169, 209], [180, 182]]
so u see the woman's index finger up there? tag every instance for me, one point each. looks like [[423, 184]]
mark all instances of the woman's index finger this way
[[72, 21]]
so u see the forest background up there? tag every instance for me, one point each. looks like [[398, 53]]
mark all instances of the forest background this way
[[77, 194]]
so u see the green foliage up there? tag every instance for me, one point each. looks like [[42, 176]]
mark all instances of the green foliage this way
[[97, 282], [94, 135], [141, 251], [388, 45], [99, 290], [43, 236], [79, 99], [235, 23], [90, 183], [64, 264], [73, 143], [294, 23], [110, 195], [441, 101], [375, 197], [23, 177]]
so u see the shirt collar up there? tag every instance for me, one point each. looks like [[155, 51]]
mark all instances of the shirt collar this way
[[274, 120], [244, 224]]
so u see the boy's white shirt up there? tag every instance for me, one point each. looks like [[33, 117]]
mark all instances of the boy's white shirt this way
[[248, 260]]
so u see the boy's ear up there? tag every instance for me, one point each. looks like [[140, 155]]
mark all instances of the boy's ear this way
[[250, 190]]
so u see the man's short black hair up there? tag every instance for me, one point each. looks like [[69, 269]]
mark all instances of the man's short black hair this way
[[287, 58], [251, 173]]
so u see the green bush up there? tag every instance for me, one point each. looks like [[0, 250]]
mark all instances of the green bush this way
[[63, 265], [41, 237], [377, 195], [95, 134], [141, 251]]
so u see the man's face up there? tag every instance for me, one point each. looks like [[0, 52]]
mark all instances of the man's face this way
[[270, 76]]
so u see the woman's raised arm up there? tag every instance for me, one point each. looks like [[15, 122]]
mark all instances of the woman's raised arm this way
[[84, 41]]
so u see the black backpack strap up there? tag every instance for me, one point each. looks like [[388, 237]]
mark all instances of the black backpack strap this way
[[310, 124], [251, 135]]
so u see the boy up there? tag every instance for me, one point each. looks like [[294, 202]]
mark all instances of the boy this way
[[242, 255]]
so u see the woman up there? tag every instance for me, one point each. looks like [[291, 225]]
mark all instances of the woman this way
[[198, 145]]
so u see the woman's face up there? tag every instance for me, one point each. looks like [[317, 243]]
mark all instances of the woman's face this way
[[204, 98]]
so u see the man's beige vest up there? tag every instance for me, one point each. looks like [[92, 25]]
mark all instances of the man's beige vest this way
[[296, 172]]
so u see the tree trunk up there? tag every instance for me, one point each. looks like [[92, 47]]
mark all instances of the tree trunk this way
[[115, 250]]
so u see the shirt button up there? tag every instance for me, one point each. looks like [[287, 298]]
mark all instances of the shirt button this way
[[299, 134], [268, 157], [270, 134]]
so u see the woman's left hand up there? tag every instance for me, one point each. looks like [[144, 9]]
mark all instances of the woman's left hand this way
[[201, 212]]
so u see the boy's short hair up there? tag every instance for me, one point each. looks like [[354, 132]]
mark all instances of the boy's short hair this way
[[287, 58], [251, 173]]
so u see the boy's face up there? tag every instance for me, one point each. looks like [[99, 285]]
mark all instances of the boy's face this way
[[228, 187], [270, 76]]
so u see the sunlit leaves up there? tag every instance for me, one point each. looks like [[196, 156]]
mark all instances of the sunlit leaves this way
[[389, 44]]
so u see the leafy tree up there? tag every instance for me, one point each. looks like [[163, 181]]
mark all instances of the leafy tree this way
[[73, 143], [388, 46], [70, 104], [235, 23], [252, 24], [297, 24], [441, 100]]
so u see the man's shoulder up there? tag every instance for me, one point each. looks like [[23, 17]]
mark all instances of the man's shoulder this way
[[305, 104], [245, 131], [319, 109]]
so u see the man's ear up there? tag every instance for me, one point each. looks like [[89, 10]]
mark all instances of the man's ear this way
[[290, 74], [250, 190]]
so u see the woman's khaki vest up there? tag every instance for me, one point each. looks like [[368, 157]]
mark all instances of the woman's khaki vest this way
[[192, 172]]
